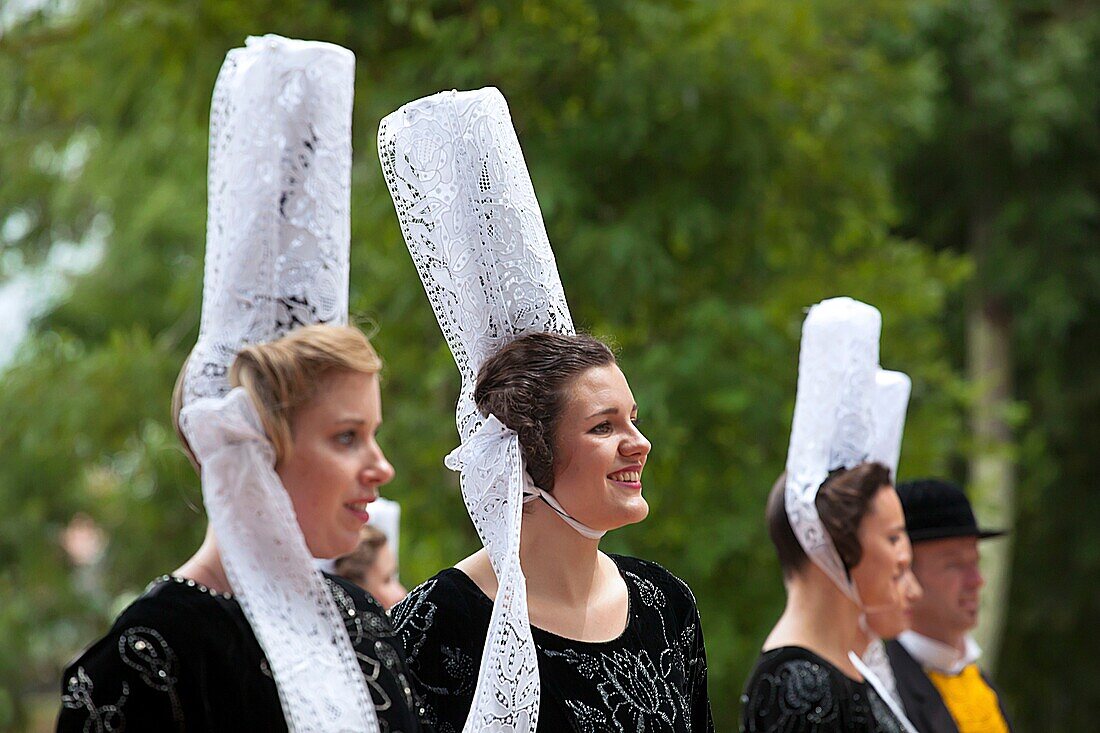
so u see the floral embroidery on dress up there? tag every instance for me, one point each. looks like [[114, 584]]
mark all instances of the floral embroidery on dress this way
[[414, 616], [101, 719], [186, 644], [460, 666], [631, 688], [803, 691], [363, 627], [638, 683], [789, 693], [633, 683], [146, 651]]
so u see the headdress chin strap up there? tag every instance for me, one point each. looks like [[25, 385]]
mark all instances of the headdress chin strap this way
[[533, 493]]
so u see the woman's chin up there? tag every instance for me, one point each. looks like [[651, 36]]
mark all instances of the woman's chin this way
[[636, 511], [331, 548]]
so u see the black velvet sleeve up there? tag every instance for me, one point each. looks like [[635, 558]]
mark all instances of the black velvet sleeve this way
[[147, 673], [701, 719], [182, 658], [442, 630]]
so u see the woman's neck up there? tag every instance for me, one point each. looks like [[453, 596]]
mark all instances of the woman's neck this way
[[205, 566], [558, 562], [573, 590], [821, 618]]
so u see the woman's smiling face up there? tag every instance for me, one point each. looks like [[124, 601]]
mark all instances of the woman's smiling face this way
[[599, 453], [335, 465]]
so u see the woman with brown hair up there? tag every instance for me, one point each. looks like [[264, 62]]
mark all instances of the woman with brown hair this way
[[805, 673], [372, 566], [620, 645]]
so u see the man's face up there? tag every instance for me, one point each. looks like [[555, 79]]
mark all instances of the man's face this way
[[948, 572]]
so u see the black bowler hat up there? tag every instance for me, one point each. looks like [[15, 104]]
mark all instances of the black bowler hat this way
[[936, 509]]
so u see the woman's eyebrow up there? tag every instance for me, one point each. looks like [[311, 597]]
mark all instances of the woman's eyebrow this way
[[609, 411]]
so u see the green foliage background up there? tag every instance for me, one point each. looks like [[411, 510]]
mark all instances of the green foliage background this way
[[707, 169]]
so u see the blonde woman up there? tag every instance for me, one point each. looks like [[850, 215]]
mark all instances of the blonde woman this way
[[183, 656]]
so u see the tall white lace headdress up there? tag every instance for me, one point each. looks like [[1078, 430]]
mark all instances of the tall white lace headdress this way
[[471, 221], [847, 411], [833, 425], [278, 237]]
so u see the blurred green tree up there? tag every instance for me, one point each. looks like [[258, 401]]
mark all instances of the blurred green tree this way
[[706, 170], [1008, 175]]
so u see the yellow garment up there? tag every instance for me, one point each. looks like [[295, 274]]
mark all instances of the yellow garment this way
[[971, 702]]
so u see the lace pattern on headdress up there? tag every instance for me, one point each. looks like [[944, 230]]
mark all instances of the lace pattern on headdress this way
[[847, 411], [279, 180], [833, 425], [473, 226], [889, 404]]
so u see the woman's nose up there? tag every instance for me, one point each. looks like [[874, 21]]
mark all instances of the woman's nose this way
[[636, 444], [378, 471]]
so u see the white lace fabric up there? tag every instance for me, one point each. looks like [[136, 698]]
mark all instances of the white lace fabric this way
[[279, 193], [833, 425], [473, 226], [286, 601], [278, 239]]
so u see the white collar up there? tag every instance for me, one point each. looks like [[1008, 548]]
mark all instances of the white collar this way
[[938, 656]]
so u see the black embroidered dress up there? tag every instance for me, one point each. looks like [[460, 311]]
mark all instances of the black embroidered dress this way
[[184, 658], [652, 678], [793, 690]]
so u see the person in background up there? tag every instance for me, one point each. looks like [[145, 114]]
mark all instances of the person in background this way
[[372, 565], [935, 664], [839, 534], [804, 679]]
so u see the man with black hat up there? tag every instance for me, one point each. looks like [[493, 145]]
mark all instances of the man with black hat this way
[[935, 663]]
